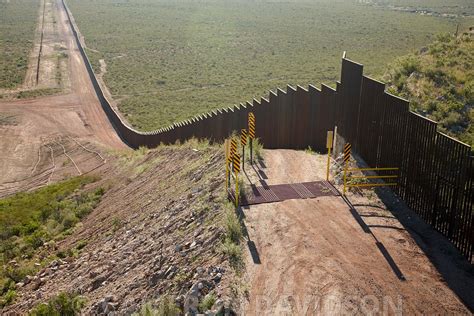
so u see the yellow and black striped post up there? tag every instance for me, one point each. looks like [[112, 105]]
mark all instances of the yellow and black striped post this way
[[251, 127], [243, 143], [236, 164], [233, 152], [347, 157]]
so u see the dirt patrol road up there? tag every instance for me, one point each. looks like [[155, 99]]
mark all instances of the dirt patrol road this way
[[313, 257], [33, 123]]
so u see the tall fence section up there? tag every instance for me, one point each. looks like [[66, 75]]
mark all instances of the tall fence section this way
[[436, 172]]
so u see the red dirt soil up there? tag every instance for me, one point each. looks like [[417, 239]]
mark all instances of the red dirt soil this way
[[315, 257], [37, 122]]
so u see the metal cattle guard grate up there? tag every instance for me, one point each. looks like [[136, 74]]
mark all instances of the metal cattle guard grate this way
[[281, 192]]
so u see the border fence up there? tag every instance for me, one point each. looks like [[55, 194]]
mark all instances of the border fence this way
[[436, 172]]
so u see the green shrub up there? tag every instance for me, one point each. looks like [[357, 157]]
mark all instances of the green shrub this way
[[29, 220], [207, 303], [233, 227], [81, 244], [64, 304], [233, 252], [17, 274], [409, 65], [7, 298], [36, 239], [116, 224], [166, 307], [443, 89], [257, 149]]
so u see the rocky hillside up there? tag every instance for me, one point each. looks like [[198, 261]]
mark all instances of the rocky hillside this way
[[439, 82], [159, 240]]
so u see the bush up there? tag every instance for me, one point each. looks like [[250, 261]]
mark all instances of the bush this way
[[8, 298], [409, 65], [233, 252], [29, 220], [37, 239], [233, 228], [443, 89], [257, 149], [65, 304], [17, 274], [207, 303], [166, 307]]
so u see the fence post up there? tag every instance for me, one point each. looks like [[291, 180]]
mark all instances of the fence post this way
[[435, 204]]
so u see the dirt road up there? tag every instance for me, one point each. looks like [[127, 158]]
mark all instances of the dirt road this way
[[316, 256], [33, 123]]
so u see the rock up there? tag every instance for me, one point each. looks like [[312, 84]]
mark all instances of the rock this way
[[134, 285], [155, 278], [97, 283], [178, 248], [218, 277], [170, 270], [27, 279], [191, 300], [179, 300], [218, 307], [37, 283], [200, 270], [110, 308], [105, 306]]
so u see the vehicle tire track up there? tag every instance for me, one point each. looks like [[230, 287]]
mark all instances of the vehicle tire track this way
[[70, 158], [38, 161], [89, 150], [54, 164]]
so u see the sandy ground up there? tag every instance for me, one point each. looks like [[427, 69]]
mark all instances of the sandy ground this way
[[37, 122], [317, 256]]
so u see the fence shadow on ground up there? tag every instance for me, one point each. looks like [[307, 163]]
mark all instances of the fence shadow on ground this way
[[366, 228], [453, 267], [250, 243]]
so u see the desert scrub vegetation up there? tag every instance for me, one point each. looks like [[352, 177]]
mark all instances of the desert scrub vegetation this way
[[30, 223], [169, 60], [7, 119], [166, 307], [439, 82], [231, 246], [451, 8], [37, 93], [64, 304], [17, 25]]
